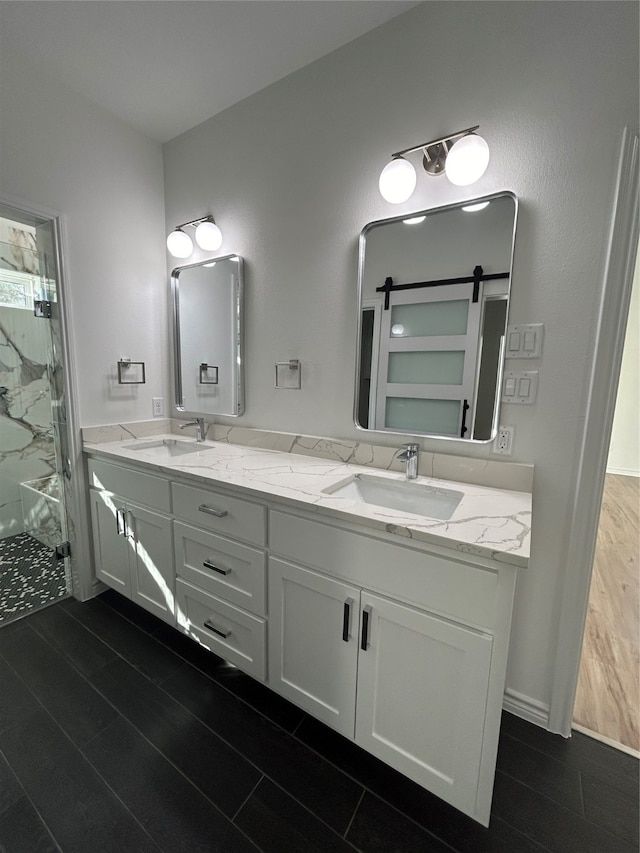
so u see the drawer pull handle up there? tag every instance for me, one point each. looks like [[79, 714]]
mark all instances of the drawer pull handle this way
[[209, 565], [219, 513], [364, 640], [220, 632], [120, 528], [346, 619]]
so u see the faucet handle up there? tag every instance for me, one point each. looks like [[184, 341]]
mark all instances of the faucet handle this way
[[412, 447]]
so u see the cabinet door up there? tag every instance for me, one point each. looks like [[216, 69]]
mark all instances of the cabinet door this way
[[313, 642], [150, 547], [109, 544], [422, 692]]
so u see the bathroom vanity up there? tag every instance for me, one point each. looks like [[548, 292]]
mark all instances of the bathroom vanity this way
[[389, 626]]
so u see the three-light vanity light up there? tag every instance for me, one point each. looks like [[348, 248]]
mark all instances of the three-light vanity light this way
[[207, 234], [463, 157]]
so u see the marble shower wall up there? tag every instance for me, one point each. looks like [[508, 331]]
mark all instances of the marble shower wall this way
[[27, 450]]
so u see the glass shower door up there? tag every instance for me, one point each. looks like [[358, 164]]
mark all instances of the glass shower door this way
[[32, 519]]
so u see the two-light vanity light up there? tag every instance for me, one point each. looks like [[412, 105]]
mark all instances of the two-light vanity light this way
[[462, 156], [208, 236]]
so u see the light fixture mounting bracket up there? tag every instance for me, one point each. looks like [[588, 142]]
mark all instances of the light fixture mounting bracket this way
[[436, 150]]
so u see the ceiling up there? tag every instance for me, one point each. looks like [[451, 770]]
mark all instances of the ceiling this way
[[164, 67]]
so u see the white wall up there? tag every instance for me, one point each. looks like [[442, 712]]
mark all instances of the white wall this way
[[291, 176], [60, 151], [624, 450]]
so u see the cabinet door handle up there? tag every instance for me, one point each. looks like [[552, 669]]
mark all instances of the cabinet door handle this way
[[128, 524], [219, 631], [209, 565], [364, 640], [120, 522], [219, 513], [346, 619]]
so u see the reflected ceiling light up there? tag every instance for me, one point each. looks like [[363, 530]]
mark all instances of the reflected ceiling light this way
[[208, 236], [414, 220], [472, 208], [462, 156]]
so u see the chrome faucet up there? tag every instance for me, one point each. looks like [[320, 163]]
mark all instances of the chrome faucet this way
[[200, 432], [410, 456]]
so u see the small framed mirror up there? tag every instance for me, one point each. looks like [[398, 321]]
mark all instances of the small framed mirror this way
[[207, 337], [433, 300]]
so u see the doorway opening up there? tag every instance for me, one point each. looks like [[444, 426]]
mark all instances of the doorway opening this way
[[34, 462], [608, 696]]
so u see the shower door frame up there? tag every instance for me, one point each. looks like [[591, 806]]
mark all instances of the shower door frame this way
[[78, 571]]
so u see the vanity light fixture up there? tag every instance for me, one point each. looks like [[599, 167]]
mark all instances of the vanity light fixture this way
[[208, 236], [462, 156]]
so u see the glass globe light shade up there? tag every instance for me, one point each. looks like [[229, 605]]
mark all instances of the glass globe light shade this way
[[179, 244], [397, 181], [208, 236], [467, 160]]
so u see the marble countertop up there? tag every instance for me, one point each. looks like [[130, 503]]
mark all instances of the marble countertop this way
[[489, 522]]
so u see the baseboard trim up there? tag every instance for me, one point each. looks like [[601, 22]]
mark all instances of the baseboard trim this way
[[623, 472], [527, 708]]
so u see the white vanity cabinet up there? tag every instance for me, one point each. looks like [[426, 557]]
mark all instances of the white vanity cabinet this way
[[133, 543], [221, 574], [399, 645], [399, 649]]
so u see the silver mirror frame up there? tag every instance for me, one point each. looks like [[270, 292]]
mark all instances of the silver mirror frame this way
[[177, 406], [402, 436]]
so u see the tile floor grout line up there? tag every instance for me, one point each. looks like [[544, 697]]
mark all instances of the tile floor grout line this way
[[246, 800], [129, 722], [577, 766], [355, 811], [25, 796], [305, 808], [171, 764], [184, 660], [586, 820], [557, 803], [75, 747]]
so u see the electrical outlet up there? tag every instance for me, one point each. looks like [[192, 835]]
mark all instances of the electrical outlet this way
[[503, 442], [157, 404]]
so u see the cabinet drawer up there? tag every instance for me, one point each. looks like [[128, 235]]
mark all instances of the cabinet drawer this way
[[234, 634], [221, 566], [465, 592], [145, 489], [214, 511]]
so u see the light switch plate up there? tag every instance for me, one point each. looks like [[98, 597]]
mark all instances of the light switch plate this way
[[519, 386], [524, 341]]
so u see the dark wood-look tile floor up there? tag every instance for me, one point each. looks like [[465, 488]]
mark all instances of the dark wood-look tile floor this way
[[117, 733]]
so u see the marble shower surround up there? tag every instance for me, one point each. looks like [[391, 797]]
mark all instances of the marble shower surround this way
[[514, 476], [27, 450]]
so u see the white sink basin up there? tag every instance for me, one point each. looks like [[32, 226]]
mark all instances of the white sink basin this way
[[402, 495], [167, 447]]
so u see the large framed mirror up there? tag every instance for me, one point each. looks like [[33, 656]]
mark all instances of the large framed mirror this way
[[433, 300], [207, 337]]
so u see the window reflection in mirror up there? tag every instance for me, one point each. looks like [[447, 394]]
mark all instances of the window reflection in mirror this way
[[433, 303], [207, 332]]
